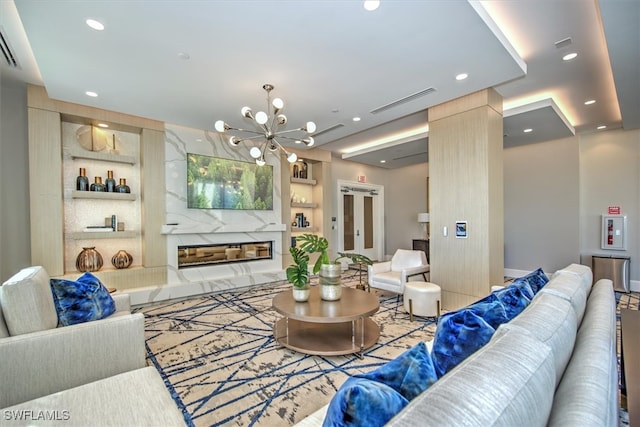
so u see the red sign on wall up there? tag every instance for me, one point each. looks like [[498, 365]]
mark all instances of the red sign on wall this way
[[614, 210]]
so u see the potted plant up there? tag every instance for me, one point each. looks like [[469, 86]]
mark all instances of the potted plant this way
[[298, 274], [330, 270]]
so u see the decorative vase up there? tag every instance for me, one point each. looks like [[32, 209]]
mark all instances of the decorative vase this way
[[89, 259], [330, 282], [122, 259], [97, 184], [123, 187], [110, 183], [301, 294], [82, 182]]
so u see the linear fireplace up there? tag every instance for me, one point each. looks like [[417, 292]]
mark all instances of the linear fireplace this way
[[216, 254]]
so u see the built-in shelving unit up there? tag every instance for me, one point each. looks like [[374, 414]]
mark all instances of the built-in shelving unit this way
[[91, 235], [310, 195], [100, 195], [79, 153]]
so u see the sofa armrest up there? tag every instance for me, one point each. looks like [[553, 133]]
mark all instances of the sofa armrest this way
[[40, 363], [123, 302]]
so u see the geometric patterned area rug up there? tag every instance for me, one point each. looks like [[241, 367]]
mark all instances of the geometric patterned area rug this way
[[218, 357]]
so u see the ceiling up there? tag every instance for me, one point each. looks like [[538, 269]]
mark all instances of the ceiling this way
[[192, 62]]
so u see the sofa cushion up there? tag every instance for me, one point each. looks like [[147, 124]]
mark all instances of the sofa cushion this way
[[513, 299], [588, 393], [363, 402], [83, 300], [458, 335], [134, 398], [27, 303], [550, 320], [570, 287], [582, 272], [4, 332], [409, 374], [481, 392]]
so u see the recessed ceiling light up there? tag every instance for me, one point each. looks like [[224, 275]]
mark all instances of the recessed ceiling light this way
[[103, 125], [589, 102], [371, 5], [462, 76], [527, 130], [91, 94], [356, 119], [383, 161], [601, 127], [96, 25], [569, 56], [183, 55]]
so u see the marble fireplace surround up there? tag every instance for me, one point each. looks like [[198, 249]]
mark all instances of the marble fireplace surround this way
[[194, 227]]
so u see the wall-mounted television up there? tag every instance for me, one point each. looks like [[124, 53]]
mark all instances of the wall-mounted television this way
[[215, 183]]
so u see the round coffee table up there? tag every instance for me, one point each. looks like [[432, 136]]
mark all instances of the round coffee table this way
[[327, 328]]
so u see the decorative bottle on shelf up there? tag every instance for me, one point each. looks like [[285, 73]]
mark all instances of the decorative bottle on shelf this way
[[89, 259], [122, 259], [110, 183], [123, 187], [98, 185], [82, 182]]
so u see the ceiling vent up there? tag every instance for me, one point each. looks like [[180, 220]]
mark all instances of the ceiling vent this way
[[329, 129], [7, 52], [563, 43], [404, 100]]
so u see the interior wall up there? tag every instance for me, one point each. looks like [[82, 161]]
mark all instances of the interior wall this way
[[15, 248], [541, 205], [406, 196], [610, 176]]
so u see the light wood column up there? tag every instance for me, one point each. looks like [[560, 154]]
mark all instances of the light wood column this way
[[45, 190], [466, 184], [153, 197]]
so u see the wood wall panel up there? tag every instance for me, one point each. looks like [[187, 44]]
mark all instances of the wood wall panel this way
[[45, 190], [154, 243], [465, 165]]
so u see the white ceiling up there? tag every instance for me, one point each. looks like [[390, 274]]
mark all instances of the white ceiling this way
[[332, 60]]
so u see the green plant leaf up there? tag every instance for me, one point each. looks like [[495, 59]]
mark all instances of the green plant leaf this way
[[356, 258]]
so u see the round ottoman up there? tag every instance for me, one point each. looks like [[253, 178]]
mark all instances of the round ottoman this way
[[422, 299]]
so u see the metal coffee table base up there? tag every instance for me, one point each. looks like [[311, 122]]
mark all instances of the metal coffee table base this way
[[327, 339]]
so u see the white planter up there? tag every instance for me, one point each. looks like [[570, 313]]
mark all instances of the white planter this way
[[301, 294]]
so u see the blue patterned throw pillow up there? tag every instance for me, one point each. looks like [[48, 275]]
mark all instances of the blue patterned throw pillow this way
[[362, 402], [458, 335], [409, 374], [525, 287], [513, 299], [80, 301], [536, 279], [491, 310]]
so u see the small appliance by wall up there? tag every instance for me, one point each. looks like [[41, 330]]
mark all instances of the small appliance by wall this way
[[614, 232]]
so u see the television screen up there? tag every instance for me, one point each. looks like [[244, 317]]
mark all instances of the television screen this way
[[215, 183]]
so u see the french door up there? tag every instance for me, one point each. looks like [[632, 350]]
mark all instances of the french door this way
[[360, 225]]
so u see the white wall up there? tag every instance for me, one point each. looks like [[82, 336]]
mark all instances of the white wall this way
[[610, 176], [541, 205], [15, 249]]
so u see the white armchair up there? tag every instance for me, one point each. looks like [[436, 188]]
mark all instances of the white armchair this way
[[393, 275]]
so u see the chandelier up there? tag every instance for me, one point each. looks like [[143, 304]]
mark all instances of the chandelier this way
[[268, 130]]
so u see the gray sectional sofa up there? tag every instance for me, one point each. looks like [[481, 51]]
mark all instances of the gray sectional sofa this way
[[86, 374], [554, 364]]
